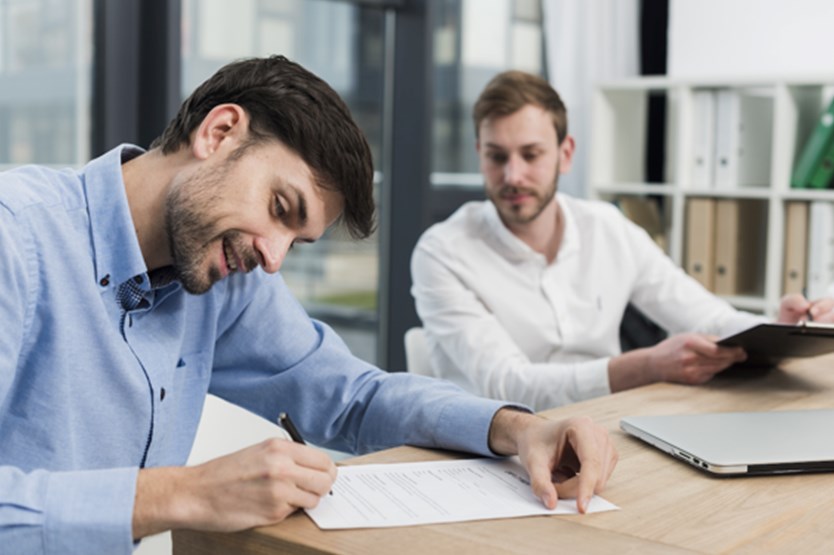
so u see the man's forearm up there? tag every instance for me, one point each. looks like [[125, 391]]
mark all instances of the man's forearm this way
[[630, 370], [159, 504]]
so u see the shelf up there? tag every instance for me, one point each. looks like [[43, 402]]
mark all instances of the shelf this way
[[635, 189], [762, 193], [721, 138], [620, 135], [809, 194]]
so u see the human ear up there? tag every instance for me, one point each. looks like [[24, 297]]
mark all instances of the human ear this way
[[223, 127], [566, 149]]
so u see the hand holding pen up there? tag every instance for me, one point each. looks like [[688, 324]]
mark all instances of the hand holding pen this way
[[795, 308], [285, 422], [821, 311], [259, 485]]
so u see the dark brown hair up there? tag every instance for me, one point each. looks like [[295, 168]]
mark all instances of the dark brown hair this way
[[286, 102], [510, 91]]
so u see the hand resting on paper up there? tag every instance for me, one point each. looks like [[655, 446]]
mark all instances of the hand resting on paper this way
[[570, 458]]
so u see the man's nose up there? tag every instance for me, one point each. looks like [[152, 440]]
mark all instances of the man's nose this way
[[273, 250], [513, 170]]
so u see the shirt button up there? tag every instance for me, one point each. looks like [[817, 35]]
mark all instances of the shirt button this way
[[138, 279], [105, 281], [162, 394]]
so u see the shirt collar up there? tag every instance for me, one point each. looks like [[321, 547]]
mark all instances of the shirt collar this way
[[115, 246], [570, 237], [517, 249]]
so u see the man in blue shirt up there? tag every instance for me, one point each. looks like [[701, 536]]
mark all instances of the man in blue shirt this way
[[131, 288]]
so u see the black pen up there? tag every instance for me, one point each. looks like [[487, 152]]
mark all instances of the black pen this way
[[285, 422]]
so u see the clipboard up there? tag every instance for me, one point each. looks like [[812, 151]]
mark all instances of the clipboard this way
[[770, 344]]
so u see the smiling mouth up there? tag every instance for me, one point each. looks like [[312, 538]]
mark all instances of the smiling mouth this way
[[231, 259]]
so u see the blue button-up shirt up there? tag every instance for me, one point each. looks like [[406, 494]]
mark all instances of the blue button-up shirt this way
[[88, 394]]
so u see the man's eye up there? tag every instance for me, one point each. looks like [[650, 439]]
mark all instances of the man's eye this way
[[279, 207], [498, 158]]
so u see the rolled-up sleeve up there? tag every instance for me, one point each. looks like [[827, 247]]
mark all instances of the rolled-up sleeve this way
[[336, 399]]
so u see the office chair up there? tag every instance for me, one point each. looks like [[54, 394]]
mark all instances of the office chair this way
[[637, 330], [416, 352]]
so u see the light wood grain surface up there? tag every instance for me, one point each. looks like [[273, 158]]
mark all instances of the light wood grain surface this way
[[666, 506]]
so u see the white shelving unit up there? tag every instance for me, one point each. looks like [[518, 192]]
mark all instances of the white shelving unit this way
[[618, 153]]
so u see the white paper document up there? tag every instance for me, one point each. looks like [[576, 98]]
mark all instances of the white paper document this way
[[406, 494]]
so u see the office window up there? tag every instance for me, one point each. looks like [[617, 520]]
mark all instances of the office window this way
[[336, 278], [474, 40], [45, 53]]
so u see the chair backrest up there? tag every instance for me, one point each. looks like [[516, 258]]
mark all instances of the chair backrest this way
[[416, 352]]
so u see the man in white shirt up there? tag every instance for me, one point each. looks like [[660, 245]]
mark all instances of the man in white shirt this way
[[521, 296]]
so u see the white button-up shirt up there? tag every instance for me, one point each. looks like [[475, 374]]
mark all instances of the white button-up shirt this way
[[502, 322]]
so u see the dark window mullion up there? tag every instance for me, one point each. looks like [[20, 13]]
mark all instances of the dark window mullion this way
[[136, 70]]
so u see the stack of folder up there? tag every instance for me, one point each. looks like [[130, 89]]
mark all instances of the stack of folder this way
[[725, 244], [815, 166], [796, 247], [809, 248], [732, 139]]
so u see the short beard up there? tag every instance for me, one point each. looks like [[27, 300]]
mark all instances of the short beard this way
[[513, 216], [190, 231]]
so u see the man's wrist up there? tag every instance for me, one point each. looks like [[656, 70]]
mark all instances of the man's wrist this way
[[631, 369], [162, 502], [503, 431]]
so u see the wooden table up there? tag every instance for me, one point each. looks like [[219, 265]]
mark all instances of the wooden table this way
[[666, 506]]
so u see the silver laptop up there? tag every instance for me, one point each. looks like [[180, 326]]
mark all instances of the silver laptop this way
[[742, 443]]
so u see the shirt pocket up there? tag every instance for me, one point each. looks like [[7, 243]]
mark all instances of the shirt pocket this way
[[180, 405]]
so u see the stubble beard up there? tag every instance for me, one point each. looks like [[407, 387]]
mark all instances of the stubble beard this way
[[515, 214], [191, 233]]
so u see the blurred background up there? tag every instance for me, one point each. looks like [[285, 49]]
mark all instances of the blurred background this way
[[78, 77]]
